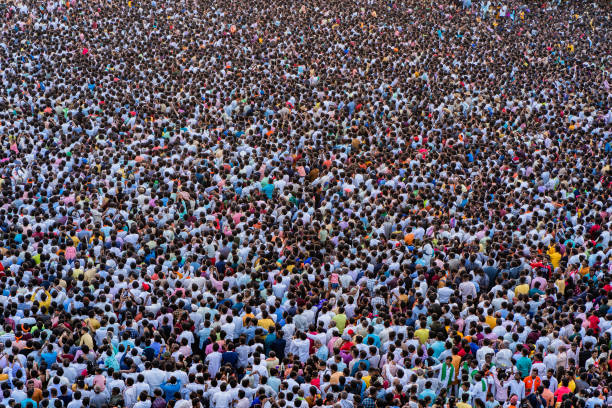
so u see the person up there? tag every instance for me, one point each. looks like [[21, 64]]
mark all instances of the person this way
[[464, 402], [532, 382], [428, 394], [516, 388], [170, 388], [562, 390], [524, 363], [446, 374], [547, 394], [99, 398], [290, 204]]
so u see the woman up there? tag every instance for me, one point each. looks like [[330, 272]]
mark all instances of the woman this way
[[110, 361]]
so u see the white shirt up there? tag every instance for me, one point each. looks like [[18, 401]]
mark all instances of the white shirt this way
[[154, 377], [221, 399], [444, 294], [130, 396], [300, 348], [214, 362]]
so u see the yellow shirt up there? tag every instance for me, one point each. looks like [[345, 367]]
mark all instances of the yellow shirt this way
[[491, 321], [87, 340], [335, 377], [561, 286], [265, 323], [45, 303], [521, 289], [422, 335], [93, 323], [251, 315], [555, 257], [90, 274]]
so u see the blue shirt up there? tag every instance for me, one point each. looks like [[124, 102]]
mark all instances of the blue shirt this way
[[322, 353], [373, 336], [357, 364], [274, 383], [203, 335], [49, 358], [24, 403], [438, 347], [170, 389], [428, 393]]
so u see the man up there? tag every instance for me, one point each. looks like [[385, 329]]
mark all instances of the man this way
[[99, 398], [214, 360], [467, 289], [523, 364], [86, 338], [532, 382], [370, 400], [464, 401], [595, 400], [547, 394], [562, 390], [551, 380], [18, 393], [517, 387], [446, 375], [479, 388], [428, 392], [153, 375], [130, 394], [484, 351], [503, 358]]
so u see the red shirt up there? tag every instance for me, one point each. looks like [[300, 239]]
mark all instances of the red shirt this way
[[594, 322]]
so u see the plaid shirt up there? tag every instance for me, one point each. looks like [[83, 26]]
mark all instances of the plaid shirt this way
[[378, 301], [131, 332], [368, 403]]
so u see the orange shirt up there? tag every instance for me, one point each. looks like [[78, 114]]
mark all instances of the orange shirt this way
[[456, 361], [548, 397], [531, 384]]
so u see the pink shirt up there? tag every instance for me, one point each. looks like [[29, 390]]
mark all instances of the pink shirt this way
[[70, 253], [542, 282], [561, 391], [100, 381]]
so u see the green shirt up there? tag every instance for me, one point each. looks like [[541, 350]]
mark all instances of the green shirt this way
[[340, 320], [523, 364]]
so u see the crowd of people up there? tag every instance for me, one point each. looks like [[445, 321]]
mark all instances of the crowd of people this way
[[305, 204]]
